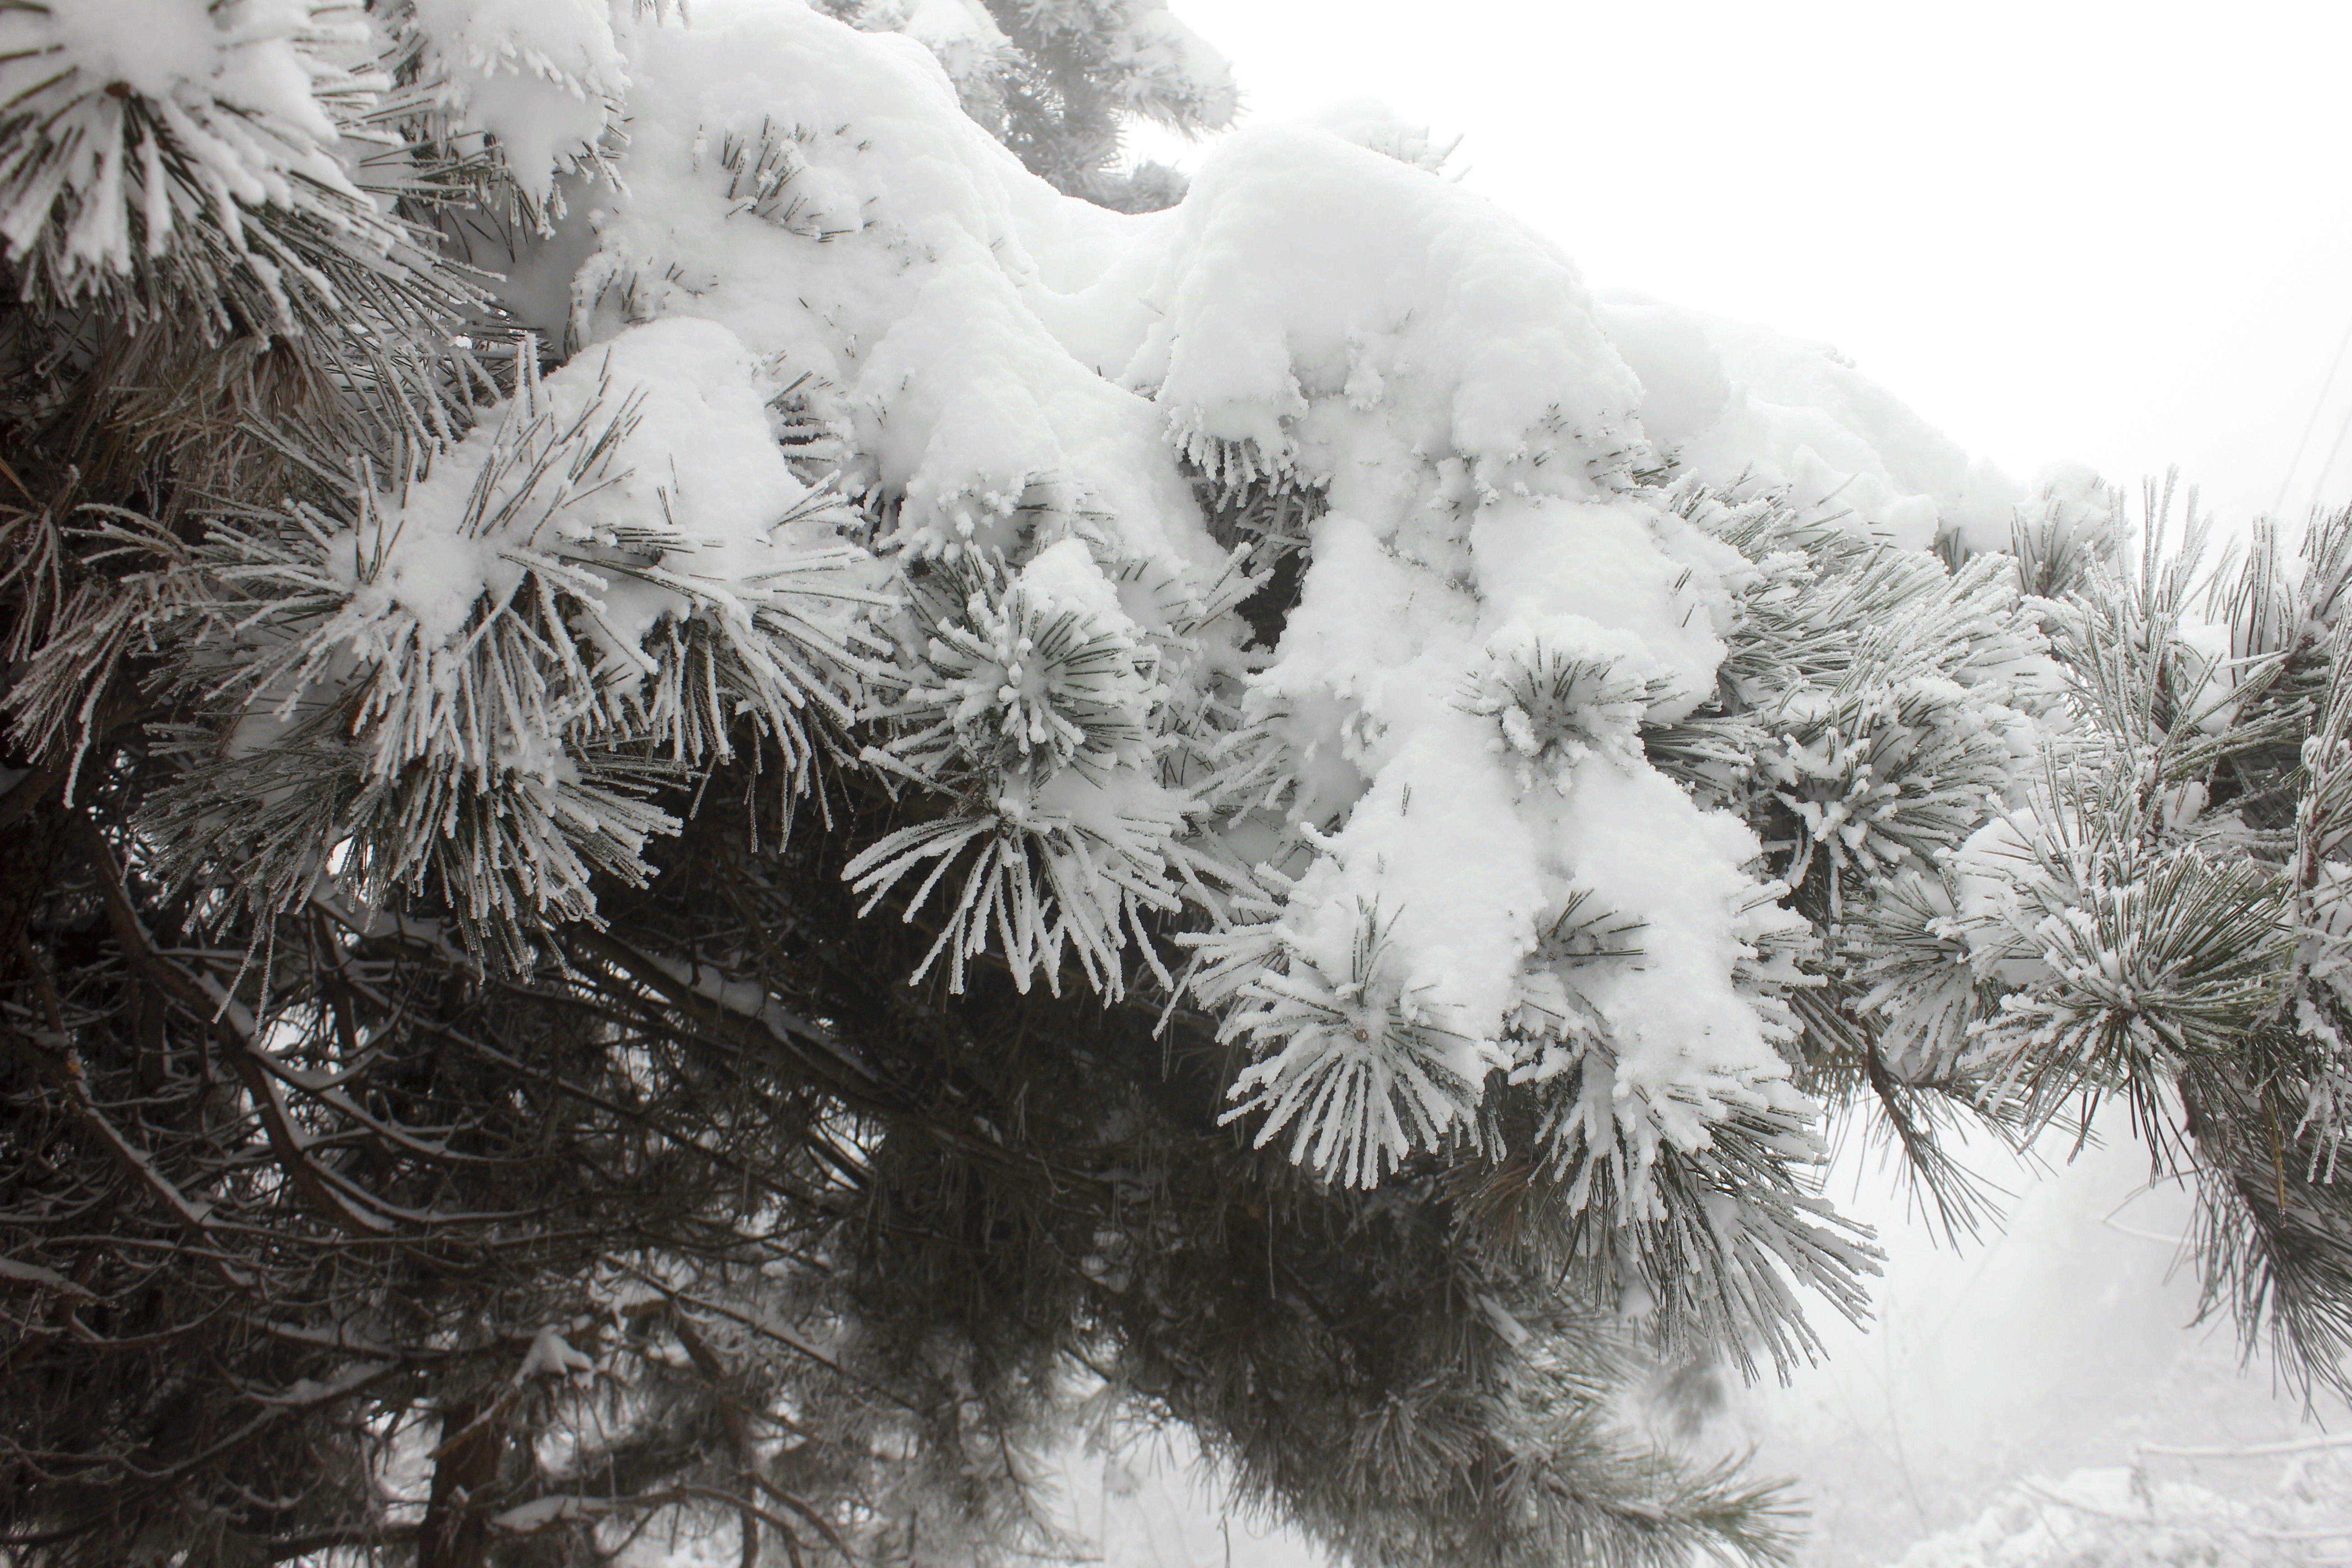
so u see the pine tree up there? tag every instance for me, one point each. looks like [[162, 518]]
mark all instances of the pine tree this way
[[668, 866]]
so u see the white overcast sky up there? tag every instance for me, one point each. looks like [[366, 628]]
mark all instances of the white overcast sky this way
[[2115, 233]]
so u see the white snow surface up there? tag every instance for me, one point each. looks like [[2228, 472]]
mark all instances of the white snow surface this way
[[543, 77], [798, 198]]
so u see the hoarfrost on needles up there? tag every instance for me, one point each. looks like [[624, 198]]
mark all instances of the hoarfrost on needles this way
[[1081, 448]]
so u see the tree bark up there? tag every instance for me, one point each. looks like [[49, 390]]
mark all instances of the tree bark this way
[[30, 850], [456, 1526]]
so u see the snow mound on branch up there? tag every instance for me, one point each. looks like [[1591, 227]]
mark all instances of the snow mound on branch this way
[[1076, 427], [1732, 399], [541, 77], [134, 117], [693, 470], [552, 1355]]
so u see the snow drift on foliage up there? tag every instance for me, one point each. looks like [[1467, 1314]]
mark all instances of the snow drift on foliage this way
[[1311, 598], [1317, 316], [540, 78], [1732, 399], [133, 119], [1009, 372]]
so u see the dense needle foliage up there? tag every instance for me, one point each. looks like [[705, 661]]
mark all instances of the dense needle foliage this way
[[464, 1095]]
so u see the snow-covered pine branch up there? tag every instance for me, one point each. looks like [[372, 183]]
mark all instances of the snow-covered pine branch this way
[[469, 677], [1472, 595], [1532, 754]]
